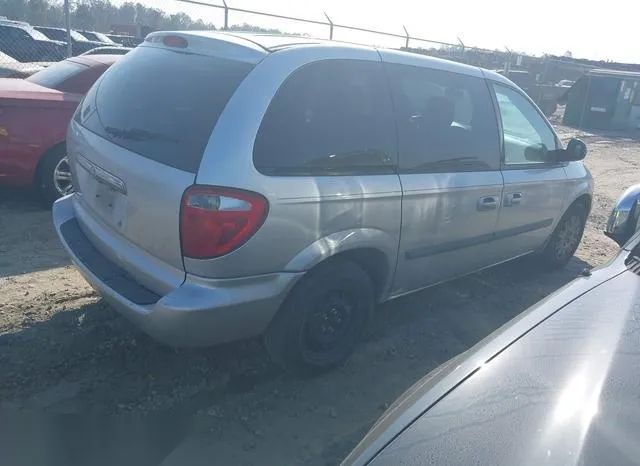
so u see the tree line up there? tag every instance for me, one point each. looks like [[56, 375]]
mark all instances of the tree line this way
[[101, 15]]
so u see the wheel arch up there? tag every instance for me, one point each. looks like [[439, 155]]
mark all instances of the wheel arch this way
[[373, 250], [585, 199]]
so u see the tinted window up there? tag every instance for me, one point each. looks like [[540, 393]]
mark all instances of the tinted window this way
[[446, 121], [13, 33], [55, 75], [162, 104], [527, 136], [332, 117]]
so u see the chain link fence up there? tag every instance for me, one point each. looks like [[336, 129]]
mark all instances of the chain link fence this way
[[25, 48]]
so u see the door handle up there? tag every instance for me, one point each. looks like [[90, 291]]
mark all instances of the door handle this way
[[487, 203], [512, 199]]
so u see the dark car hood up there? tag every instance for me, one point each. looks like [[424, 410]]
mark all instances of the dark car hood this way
[[466, 403], [567, 392]]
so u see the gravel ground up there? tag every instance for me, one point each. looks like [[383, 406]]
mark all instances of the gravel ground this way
[[62, 350]]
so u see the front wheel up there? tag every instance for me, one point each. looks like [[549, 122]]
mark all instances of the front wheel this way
[[54, 176], [565, 239], [323, 318]]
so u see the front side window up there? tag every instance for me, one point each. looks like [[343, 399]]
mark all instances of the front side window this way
[[446, 121], [527, 136], [332, 117]]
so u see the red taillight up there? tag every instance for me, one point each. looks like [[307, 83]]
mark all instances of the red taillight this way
[[215, 221]]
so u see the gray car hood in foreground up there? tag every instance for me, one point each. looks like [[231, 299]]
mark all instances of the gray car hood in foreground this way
[[558, 387]]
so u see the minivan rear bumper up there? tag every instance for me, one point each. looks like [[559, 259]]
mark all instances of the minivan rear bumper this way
[[199, 312]]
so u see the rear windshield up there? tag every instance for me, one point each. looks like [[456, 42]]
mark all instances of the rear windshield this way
[[162, 104], [54, 75]]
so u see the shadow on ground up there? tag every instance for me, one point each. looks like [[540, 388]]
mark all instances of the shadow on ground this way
[[88, 359], [28, 242]]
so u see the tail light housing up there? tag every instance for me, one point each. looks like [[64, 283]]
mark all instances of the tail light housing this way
[[215, 221]]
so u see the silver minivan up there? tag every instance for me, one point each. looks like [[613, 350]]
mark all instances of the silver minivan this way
[[233, 185]]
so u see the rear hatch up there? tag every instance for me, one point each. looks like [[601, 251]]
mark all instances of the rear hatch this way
[[136, 143]]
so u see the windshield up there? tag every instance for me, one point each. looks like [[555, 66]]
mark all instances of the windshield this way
[[4, 58], [55, 75], [61, 35], [102, 38], [75, 35], [35, 34]]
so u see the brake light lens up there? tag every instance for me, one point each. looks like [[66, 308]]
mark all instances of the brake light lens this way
[[215, 221], [175, 41]]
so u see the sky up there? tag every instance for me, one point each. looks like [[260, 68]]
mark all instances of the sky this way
[[604, 30]]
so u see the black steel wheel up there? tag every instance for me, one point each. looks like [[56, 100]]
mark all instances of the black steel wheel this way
[[323, 318]]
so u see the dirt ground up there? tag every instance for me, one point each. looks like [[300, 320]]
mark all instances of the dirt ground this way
[[62, 350]]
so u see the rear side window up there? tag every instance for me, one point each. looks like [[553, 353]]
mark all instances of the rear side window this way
[[162, 104], [332, 117], [55, 75], [446, 121]]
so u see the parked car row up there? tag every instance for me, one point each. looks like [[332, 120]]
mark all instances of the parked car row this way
[[26, 43]]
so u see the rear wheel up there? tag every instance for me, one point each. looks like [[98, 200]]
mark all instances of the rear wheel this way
[[54, 176], [322, 320], [566, 238]]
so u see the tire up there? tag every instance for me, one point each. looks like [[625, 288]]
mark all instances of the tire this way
[[323, 318], [565, 239], [50, 184]]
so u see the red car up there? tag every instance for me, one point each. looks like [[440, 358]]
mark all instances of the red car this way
[[34, 115]]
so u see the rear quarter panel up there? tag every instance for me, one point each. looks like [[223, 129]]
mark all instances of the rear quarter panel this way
[[310, 218]]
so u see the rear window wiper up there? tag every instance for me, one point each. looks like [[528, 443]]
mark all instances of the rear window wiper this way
[[135, 134]]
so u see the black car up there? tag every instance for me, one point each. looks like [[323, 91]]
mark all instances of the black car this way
[[79, 43], [558, 385], [26, 44]]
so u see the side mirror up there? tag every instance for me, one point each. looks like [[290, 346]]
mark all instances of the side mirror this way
[[623, 221], [576, 150]]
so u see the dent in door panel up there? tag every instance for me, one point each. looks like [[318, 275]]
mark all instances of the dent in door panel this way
[[440, 210]]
